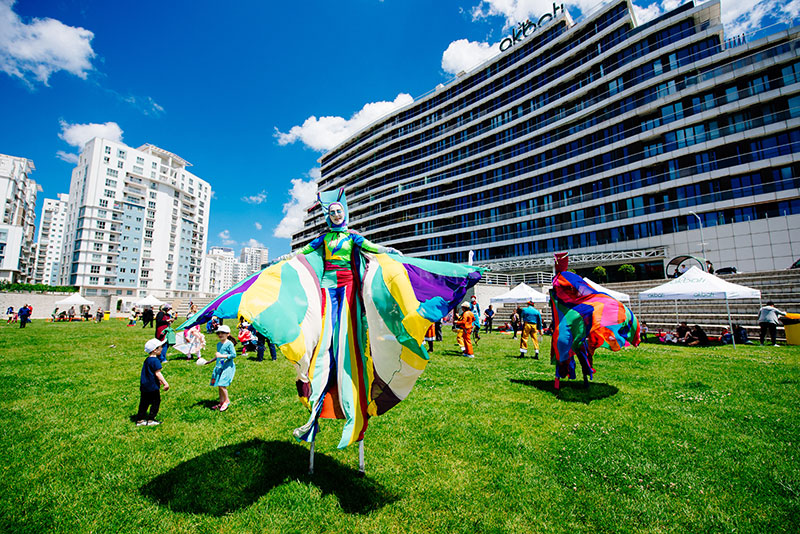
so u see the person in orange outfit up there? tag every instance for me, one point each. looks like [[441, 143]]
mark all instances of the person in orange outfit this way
[[465, 323]]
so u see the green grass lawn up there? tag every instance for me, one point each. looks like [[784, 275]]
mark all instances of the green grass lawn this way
[[665, 440]]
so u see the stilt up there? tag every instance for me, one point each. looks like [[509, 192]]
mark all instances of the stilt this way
[[361, 468], [311, 460]]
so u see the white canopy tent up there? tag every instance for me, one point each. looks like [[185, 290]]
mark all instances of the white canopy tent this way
[[622, 297], [696, 284], [521, 294], [74, 300], [150, 300]]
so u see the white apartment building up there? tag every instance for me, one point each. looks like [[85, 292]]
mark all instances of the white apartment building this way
[[136, 224], [18, 222], [50, 240], [254, 257], [218, 270], [221, 270]]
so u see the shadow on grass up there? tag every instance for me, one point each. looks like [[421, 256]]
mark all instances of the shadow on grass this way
[[206, 403], [235, 476], [572, 390]]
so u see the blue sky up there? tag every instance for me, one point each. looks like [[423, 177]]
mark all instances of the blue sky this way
[[251, 93]]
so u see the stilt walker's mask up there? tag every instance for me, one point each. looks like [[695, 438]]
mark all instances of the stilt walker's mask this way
[[334, 204]]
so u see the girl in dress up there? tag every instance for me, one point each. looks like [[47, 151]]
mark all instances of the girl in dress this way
[[223, 373]]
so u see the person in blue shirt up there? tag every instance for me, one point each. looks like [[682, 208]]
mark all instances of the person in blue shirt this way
[[150, 383], [531, 326], [224, 371], [488, 317], [476, 311]]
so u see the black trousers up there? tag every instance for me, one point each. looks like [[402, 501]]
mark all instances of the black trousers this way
[[151, 399], [773, 332]]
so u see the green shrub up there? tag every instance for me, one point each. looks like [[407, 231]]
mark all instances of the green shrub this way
[[627, 271], [599, 273], [7, 287]]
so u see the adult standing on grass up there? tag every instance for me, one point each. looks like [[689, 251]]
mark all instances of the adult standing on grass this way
[[532, 325], [768, 322], [147, 317], [24, 315], [515, 322], [99, 315], [71, 313], [150, 384], [488, 317], [224, 371], [465, 322]]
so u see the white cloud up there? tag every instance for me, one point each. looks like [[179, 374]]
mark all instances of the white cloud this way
[[257, 199], [257, 225], [462, 55], [253, 243], [324, 133], [213, 194], [78, 134], [515, 11], [303, 194], [67, 156], [41, 47], [646, 14], [225, 236]]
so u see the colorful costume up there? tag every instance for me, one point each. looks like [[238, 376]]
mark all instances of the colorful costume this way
[[532, 325], [351, 318], [584, 320], [465, 334]]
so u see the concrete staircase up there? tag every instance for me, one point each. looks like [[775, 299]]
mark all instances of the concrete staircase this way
[[781, 287], [182, 306]]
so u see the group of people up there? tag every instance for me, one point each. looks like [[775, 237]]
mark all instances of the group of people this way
[[23, 315]]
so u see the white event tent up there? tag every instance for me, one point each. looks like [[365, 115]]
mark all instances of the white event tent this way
[[74, 300], [519, 295], [696, 284], [150, 300], [622, 297]]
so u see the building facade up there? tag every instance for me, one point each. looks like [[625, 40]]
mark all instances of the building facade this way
[[599, 136], [254, 258], [137, 222], [18, 223], [50, 240], [218, 270]]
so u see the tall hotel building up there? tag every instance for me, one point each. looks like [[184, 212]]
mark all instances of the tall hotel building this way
[[137, 222], [50, 240], [598, 137]]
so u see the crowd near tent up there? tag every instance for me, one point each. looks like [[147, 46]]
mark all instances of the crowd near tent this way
[[150, 300], [74, 300], [696, 284], [519, 295], [617, 295]]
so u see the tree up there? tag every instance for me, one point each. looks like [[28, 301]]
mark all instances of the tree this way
[[627, 271], [599, 273]]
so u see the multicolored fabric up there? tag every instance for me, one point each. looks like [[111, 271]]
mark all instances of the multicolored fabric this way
[[353, 332], [584, 320]]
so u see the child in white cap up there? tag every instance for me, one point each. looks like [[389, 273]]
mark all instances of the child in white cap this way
[[223, 373], [150, 384]]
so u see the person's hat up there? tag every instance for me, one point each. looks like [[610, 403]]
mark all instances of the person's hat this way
[[465, 304], [224, 328], [167, 307], [152, 345]]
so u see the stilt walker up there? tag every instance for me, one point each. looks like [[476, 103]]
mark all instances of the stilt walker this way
[[351, 316]]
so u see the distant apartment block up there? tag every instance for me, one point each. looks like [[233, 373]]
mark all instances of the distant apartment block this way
[[18, 223], [136, 222], [50, 240], [254, 258]]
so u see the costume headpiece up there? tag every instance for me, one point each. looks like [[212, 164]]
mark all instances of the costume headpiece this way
[[326, 199]]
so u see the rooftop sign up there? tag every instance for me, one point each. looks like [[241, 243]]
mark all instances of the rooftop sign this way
[[527, 28]]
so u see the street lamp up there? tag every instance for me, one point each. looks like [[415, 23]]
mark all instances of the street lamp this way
[[702, 241]]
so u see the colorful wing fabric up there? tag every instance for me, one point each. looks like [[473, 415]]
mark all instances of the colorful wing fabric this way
[[400, 298], [584, 320]]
